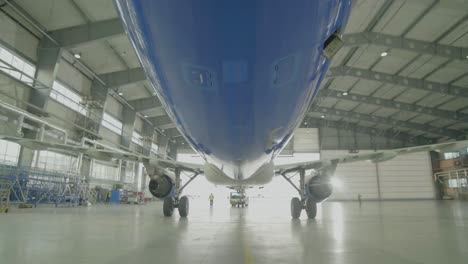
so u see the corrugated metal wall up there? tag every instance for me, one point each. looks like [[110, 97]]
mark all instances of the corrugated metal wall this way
[[353, 178], [405, 177], [306, 140]]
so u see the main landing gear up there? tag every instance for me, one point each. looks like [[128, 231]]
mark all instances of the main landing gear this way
[[182, 203], [304, 202]]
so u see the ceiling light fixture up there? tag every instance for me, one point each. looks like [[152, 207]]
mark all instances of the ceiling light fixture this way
[[120, 93], [384, 54], [77, 55], [146, 116], [345, 93], [305, 123], [322, 116]]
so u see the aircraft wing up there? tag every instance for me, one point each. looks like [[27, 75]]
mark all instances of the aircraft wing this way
[[103, 154], [172, 164], [377, 156]]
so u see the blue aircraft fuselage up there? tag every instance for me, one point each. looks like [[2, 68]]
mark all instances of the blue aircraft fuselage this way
[[236, 77]]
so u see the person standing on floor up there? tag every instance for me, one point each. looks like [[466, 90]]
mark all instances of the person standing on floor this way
[[211, 199]]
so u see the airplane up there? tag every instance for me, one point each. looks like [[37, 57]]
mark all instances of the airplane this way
[[237, 78]]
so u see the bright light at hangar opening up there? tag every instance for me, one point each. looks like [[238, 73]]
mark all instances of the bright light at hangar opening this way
[[384, 54], [77, 55], [337, 183]]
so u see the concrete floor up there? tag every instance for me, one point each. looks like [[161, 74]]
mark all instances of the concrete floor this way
[[388, 232]]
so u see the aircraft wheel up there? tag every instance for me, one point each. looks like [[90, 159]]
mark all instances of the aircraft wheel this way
[[183, 206], [168, 206], [311, 208], [296, 207]]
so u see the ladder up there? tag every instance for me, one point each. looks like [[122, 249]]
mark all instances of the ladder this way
[[5, 188]]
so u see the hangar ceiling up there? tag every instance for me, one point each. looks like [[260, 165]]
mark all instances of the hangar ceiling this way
[[418, 92]]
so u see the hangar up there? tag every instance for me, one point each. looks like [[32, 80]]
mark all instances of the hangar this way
[[109, 107]]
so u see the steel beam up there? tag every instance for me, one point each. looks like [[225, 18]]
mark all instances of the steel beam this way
[[167, 126], [414, 83], [173, 133], [119, 78], [128, 125], [154, 112], [386, 133], [148, 134], [425, 128], [444, 114], [160, 121], [84, 34], [417, 46], [145, 103]]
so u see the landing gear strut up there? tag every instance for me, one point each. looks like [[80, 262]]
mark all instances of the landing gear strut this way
[[181, 203], [304, 202]]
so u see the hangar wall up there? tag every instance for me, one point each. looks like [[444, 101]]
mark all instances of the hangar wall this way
[[405, 177]]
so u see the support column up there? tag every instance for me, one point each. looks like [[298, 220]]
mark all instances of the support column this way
[[49, 56], [85, 168], [148, 135], [48, 62], [163, 142], [128, 125], [172, 150], [98, 96]]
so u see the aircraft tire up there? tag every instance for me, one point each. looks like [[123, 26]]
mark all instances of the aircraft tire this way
[[168, 206], [296, 208], [311, 208], [183, 206]]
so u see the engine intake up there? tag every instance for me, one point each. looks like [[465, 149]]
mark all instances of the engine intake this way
[[161, 187], [319, 188]]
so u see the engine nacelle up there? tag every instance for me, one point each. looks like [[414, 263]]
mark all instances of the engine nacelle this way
[[319, 188], [162, 187]]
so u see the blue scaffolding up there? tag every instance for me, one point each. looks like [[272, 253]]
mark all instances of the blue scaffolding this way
[[37, 186]]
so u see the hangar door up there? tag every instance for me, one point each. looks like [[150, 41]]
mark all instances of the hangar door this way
[[405, 177], [354, 178]]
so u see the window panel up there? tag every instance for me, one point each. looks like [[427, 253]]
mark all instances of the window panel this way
[[21, 66], [54, 161], [9, 152], [136, 138], [112, 123], [67, 97], [154, 148], [104, 171], [451, 155]]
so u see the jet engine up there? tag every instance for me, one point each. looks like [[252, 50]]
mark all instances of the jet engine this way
[[319, 188], [162, 187]]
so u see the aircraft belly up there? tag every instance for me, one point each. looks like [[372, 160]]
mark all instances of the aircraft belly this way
[[236, 77]]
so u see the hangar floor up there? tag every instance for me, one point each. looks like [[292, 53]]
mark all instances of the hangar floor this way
[[387, 232]]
